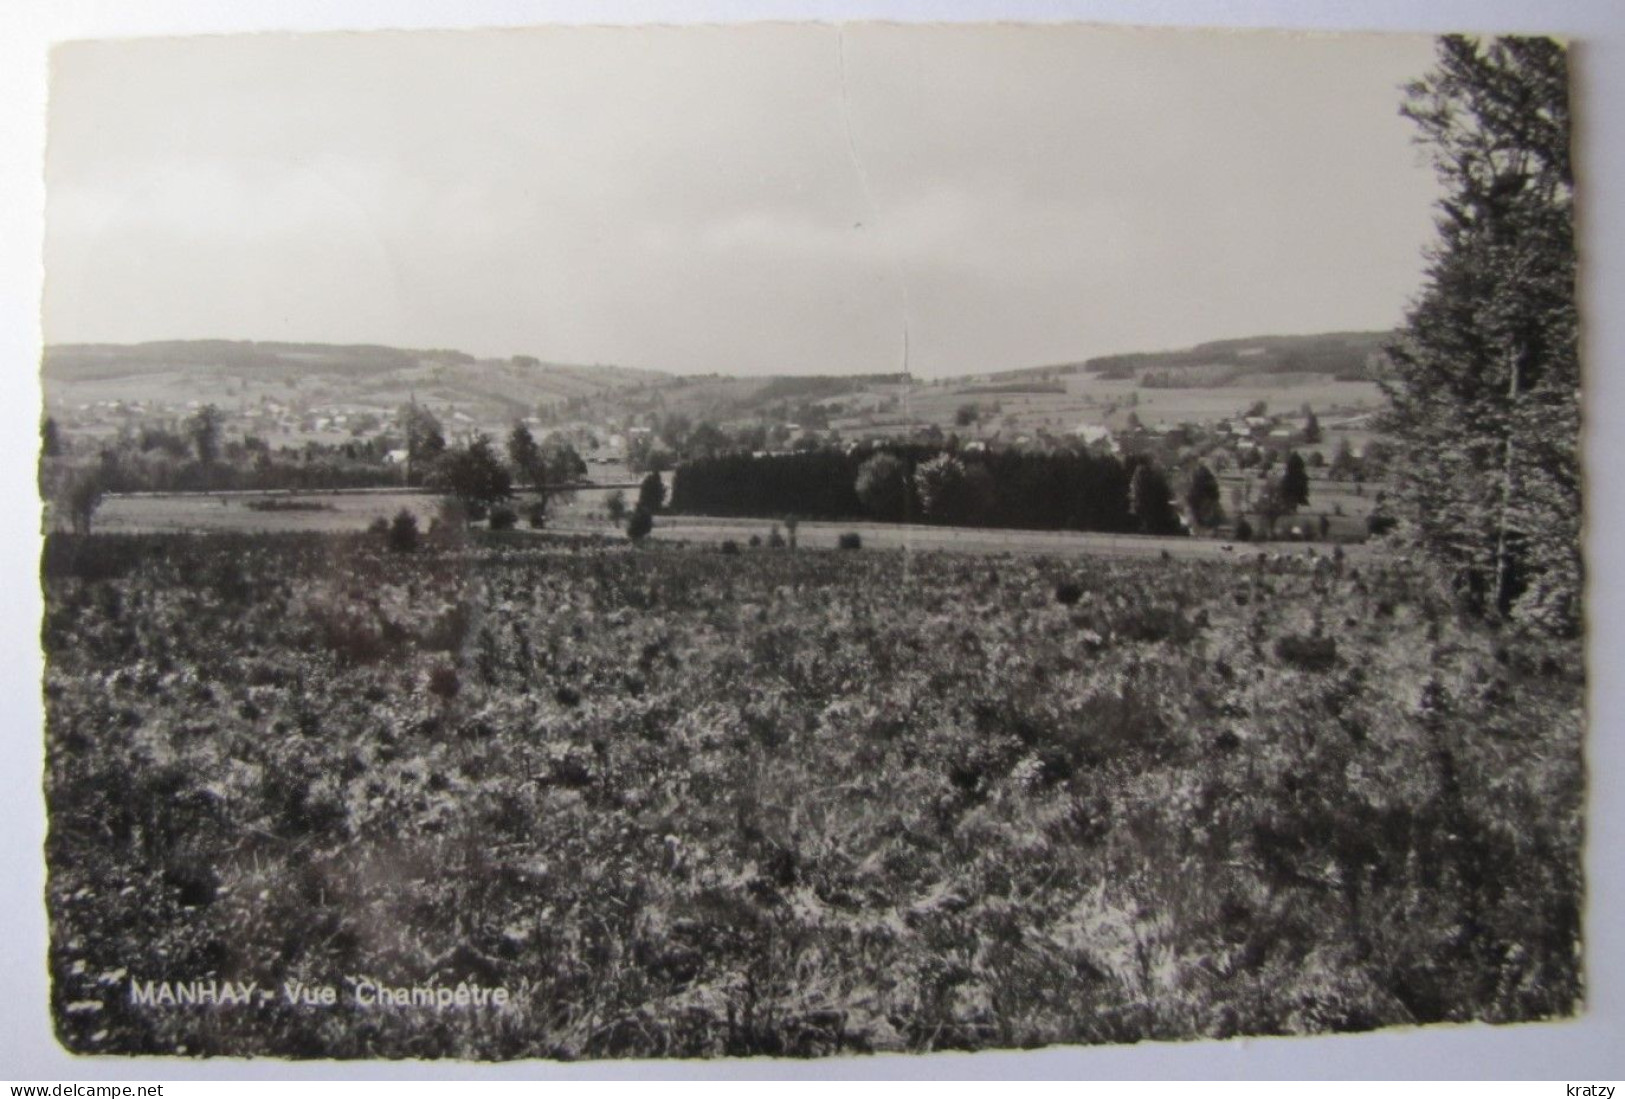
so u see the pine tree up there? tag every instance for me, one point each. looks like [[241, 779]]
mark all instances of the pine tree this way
[[530, 464], [1295, 481], [1484, 387], [1202, 498], [1151, 501], [526, 457], [651, 493], [1343, 467], [1274, 504], [425, 439], [204, 428], [639, 526]]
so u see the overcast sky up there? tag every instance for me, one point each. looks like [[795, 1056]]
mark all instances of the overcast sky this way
[[759, 199]]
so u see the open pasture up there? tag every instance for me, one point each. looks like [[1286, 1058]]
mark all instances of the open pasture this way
[[1281, 395], [1088, 398], [332, 512], [582, 515]]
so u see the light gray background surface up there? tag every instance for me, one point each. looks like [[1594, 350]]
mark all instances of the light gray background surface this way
[[1590, 1048]]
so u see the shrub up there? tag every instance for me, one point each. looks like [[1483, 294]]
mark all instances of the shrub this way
[[1151, 622], [1244, 531], [775, 540], [536, 515], [851, 540], [443, 682], [1312, 654], [639, 526], [503, 517], [729, 546], [756, 541], [1068, 593], [403, 532], [273, 504], [453, 513], [379, 527]]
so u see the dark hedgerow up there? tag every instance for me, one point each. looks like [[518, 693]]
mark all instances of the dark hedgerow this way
[[1069, 489]]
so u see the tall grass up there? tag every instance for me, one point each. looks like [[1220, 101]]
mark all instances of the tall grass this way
[[686, 804]]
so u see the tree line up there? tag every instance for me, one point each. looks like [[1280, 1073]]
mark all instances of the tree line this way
[[195, 456], [1071, 489]]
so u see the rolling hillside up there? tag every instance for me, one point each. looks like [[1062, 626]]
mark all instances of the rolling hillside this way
[[241, 373], [1208, 380]]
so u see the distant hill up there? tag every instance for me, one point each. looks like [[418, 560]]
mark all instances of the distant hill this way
[[1345, 356], [232, 373], [244, 375], [95, 361]]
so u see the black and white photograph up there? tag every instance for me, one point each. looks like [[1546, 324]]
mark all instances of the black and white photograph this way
[[809, 540]]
